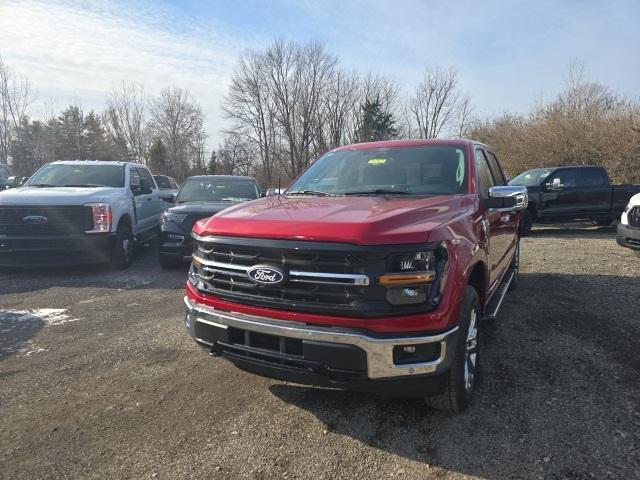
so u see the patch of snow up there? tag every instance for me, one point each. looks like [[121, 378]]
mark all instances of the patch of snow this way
[[50, 316]]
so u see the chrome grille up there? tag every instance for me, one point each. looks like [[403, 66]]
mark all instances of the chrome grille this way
[[338, 280]]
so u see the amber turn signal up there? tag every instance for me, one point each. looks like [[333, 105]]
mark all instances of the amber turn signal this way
[[395, 279]]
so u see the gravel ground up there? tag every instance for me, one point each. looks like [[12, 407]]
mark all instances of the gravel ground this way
[[99, 379]]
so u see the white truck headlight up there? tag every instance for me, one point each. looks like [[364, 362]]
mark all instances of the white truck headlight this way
[[102, 217]]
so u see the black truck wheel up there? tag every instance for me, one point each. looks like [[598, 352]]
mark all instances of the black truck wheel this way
[[168, 263], [460, 380], [122, 250], [602, 221], [526, 223]]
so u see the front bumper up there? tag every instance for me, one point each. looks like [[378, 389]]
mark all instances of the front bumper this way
[[342, 357], [628, 237], [175, 243], [55, 250]]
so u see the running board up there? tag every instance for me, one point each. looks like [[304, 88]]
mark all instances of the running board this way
[[496, 301]]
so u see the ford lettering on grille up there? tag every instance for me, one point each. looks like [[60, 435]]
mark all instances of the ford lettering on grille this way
[[265, 275], [34, 219]]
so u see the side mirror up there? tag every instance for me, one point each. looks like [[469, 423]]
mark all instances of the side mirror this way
[[508, 198], [12, 182], [24, 180], [170, 197], [555, 184]]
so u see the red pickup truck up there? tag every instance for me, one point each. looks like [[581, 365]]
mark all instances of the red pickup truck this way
[[371, 272]]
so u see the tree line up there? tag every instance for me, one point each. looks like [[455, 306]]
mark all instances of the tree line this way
[[290, 102]]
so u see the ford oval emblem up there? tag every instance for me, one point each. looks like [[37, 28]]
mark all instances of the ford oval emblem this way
[[266, 275], [34, 219]]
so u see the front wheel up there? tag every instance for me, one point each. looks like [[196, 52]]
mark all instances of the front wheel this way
[[461, 378], [122, 250], [526, 223]]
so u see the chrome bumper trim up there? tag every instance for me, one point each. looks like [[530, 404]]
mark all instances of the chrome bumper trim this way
[[379, 351]]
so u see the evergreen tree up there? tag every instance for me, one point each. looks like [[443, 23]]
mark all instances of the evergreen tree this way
[[212, 164], [158, 157], [376, 124]]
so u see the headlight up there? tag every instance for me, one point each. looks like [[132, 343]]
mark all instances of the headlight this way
[[415, 277], [101, 214], [168, 216]]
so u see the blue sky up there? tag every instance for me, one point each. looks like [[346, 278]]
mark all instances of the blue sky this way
[[508, 53]]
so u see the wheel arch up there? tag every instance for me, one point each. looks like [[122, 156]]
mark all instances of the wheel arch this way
[[479, 279]]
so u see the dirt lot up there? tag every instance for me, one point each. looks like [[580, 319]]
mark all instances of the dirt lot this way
[[99, 379]]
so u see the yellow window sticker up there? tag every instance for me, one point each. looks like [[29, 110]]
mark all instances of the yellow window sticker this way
[[377, 161]]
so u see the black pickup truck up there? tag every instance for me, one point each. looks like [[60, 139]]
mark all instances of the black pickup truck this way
[[565, 194]]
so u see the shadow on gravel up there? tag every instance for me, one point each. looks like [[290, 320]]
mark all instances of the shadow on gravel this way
[[144, 273], [555, 400], [578, 231], [16, 331]]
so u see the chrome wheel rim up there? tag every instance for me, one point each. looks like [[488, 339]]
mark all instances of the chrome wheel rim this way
[[471, 351]]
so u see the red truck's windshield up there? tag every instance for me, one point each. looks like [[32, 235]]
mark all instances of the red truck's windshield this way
[[425, 170]]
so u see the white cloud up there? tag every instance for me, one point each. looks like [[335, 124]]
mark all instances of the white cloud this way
[[77, 50]]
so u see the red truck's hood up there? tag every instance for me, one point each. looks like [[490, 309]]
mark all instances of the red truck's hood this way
[[358, 220]]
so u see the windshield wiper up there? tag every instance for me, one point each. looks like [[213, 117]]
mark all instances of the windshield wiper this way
[[41, 185], [311, 192], [378, 191], [87, 185]]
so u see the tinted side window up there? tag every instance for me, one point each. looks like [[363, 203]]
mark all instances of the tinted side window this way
[[163, 182], [144, 173], [498, 175], [568, 177], [134, 181], [485, 179], [592, 177]]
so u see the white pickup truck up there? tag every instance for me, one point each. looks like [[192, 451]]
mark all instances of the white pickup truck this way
[[629, 227], [78, 212]]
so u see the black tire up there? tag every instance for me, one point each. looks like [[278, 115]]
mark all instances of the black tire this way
[[459, 387], [515, 265], [602, 221], [168, 263], [122, 250], [526, 223]]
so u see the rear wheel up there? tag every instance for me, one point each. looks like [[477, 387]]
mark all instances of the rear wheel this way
[[122, 250], [602, 221], [461, 378]]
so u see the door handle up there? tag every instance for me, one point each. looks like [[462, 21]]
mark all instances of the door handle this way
[[149, 199]]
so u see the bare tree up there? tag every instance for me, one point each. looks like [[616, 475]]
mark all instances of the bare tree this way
[[16, 95], [251, 108], [179, 122], [126, 119], [237, 155], [463, 118], [435, 102]]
